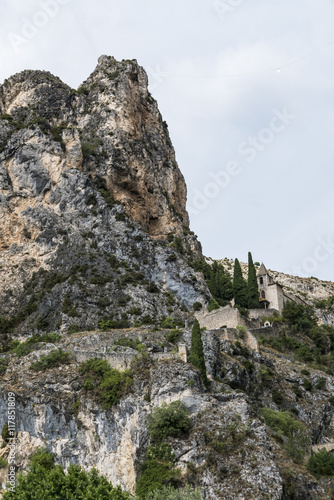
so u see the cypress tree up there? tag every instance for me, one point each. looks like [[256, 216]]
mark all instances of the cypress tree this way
[[239, 286], [220, 284], [197, 352], [225, 286], [252, 286]]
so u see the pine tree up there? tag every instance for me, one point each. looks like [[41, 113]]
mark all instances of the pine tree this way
[[197, 352], [239, 286], [252, 286]]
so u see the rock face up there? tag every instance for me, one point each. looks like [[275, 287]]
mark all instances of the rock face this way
[[90, 195], [230, 452]]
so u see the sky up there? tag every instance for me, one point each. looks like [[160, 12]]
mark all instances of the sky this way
[[247, 91]]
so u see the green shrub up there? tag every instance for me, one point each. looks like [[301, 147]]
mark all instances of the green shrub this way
[[171, 323], [321, 384], [96, 366], [157, 470], [120, 217], [108, 199], [5, 433], [3, 366], [68, 308], [91, 199], [197, 306], [248, 365], [213, 304], [266, 375], [303, 353], [42, 458], [173, 336], [134, 344], [29, 345], [299, 317], [76, 407], [242, 330], [278, 397], [110, 324], [321, 463], [73, 329], [307, 384], [297, 390], [135, 311], [282, 423], [89, 149], [44, 480], [178, 245], [244, 351], [55, 358], [114, 386], [42, 323], [171, 258], [110, 384], [3, 463], [6, 116], [101, 280], [23, 349], [169, 420], [147, 320]]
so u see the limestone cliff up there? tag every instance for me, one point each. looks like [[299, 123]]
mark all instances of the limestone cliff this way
[[90, 195]]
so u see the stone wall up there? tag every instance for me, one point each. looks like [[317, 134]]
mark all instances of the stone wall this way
[[224, 317], [256, 315], [229, 317]]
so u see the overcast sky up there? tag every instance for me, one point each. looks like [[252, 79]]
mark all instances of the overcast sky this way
[[247, 91]]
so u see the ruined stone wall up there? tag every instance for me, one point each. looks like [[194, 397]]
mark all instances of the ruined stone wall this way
[[225, 317]]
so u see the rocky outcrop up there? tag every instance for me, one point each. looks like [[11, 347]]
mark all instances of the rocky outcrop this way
[[90, 195]]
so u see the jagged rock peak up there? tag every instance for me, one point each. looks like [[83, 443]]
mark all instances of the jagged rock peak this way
[[120, 125], [85, 175]]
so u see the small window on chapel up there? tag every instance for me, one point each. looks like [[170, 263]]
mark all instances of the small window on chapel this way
[[263, 295], [261, 281]]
